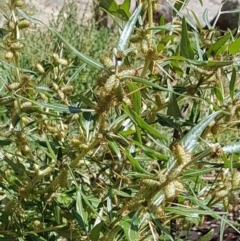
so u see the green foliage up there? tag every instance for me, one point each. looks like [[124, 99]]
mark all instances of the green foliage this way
[[123, 159], [85, 36]]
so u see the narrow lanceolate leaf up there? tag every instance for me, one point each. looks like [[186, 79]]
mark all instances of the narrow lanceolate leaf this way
[[143, 125], [214, 48], [208, 236], [173, 108], [205, 18], [209, 63], [83, 57], [147, 83], [186, 49], [232, 82], [129, 224], [125, 8], [34, 237], [219, 92], [154, 154], [234, 46], [232, 148], [80, 214], [136, 96], [79, 220], [190, 140], [76, 73], [136, 166], [5, 141], [59, 107], [128, 29], [113, 145], [218, 63], [120, 11]]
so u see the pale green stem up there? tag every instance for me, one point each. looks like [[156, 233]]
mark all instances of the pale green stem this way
[[146, 67], [84, 153], [150, 17]]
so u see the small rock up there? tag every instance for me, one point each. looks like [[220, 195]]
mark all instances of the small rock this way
[[229, 20]]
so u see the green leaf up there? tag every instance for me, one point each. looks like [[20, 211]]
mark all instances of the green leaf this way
[[129, 224], [189, 212], [195, 112], [143, 125], [5, 142], [59, 107], [218, 90], [118, 10], [232, 83], [137, 167], [154, 154], [176, 68], [186, 49], [197, 172], [167, 39], [79, 219], [214, 48], [84, 58], [234, 47], [161, 227], [218, 63], [125, 8], [136, 100], [113, 145], [227, 161], [64, 232], [127, 132], [160, 47], [208, 236], [18, 167], [205, 18], [76, 73], [148, 83], [167, 121], [80, 214], [173, 108], [86, 100], [198, 24], [96, 231], [109, 5], [210, 63], [162, 22], [110, 204], [34, 237], [121, 193], [190, 140], [136, 96], [128, 29]]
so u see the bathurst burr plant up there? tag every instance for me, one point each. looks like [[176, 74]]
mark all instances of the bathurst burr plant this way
[[152, 141]]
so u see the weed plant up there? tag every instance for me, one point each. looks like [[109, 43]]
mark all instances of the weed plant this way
[[146, 153]]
